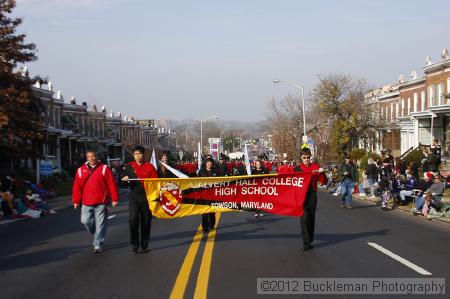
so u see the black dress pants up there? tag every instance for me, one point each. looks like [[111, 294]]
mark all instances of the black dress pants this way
[[208, 221], [140, 219], [308, 220]]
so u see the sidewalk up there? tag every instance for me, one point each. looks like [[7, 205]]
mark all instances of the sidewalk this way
[[404, 209], [57, 203]]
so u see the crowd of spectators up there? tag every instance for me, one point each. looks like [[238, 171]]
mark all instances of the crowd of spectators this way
[[29, 204]]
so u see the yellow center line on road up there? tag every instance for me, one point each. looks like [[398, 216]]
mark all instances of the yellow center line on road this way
[[183, 276], [201, 289]]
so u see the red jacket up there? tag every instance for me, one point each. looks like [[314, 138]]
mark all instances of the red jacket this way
[[98, 189], [316, 177], [285, 169]]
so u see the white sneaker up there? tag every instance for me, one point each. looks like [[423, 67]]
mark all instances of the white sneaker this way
[[362, 194], [335, 194]]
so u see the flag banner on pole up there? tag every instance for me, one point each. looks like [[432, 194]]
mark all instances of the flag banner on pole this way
[[176, 172], [199, 158], [281, 194], [153, 160], [246, 159]]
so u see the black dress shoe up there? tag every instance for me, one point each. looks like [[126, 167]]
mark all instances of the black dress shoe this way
[[144, 248], [134, 249], [307, 247]]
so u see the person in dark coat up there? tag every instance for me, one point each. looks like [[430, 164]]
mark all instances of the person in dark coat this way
[[308, 220], [259, 169], [222, 168], [140, 216], [163, 172], [209, 219]]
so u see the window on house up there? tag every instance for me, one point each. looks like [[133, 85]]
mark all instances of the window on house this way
[[392, 112], [431, 96], [403, 107], [422, 100], [409, 106], [396, 110], [440, 90], [416, 100]]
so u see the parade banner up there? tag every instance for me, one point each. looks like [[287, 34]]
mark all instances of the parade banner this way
[[281, 194]]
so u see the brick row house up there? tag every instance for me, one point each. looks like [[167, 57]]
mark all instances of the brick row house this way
[[415, 111], [71, 128]]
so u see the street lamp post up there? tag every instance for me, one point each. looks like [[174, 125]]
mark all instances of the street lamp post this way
[[201, 130], [276, 81]]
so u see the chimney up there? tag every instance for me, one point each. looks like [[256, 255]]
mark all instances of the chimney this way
[[444, 54], [73, 100], [49, 86], [126, 118], [59, 95], [119, 114], [111, 114], [84, 104], [401, 79], [413, 75], [24, 71], [103, 109], [428, 61]]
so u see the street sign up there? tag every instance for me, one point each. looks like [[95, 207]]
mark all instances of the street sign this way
[[45, 168], [214, 140]]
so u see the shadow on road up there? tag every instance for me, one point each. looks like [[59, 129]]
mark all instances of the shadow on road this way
[[332, 239], [38, 258]]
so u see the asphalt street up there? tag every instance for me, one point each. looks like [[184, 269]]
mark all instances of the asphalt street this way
[[52, 257]]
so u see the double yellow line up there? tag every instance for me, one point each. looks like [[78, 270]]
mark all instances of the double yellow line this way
[[201, 288]]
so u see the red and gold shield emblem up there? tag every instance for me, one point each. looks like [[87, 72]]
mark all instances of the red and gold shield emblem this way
[[170, 197]]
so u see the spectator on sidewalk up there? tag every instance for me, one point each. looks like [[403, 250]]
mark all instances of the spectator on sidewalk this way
[[6, 205], [434, 192], [372, 175], [434, 160], [410, 184], [347, 175], [33, 201], [93, 189], [425, 166]]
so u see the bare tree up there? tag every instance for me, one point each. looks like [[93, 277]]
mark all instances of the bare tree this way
[[286, 119]]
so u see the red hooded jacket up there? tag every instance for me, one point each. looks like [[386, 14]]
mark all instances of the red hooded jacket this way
[[98, 189], [317, 176]]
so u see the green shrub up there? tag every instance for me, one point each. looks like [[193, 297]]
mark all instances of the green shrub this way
[[364, 160], [357, 154], [415, 155]]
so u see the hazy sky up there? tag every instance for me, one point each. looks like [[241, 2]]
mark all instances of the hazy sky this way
[[194, 59]]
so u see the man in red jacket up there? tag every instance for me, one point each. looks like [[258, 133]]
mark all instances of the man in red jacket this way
[[307, 221], [93, 187]]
